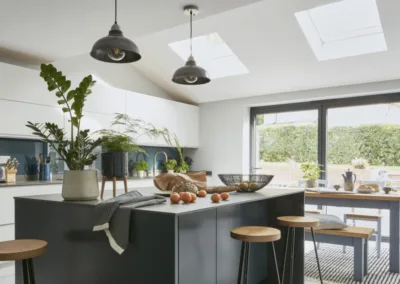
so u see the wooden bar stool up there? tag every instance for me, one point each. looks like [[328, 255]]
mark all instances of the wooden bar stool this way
[[293, 222], [24, 250], [254, 234]]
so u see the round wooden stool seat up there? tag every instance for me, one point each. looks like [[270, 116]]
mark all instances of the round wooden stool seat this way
[[21, 249], [298, 221], [255, 234]]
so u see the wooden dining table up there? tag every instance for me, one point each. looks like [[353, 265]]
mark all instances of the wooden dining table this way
[[383, 201]]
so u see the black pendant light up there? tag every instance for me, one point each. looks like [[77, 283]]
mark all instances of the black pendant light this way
[[191, 74], [115, 48]]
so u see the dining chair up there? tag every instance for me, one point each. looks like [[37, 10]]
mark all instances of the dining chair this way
[[369, 218]]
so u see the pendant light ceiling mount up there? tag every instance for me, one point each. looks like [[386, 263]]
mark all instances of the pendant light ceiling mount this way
[[115, 48], [191, 74], [191, 8]]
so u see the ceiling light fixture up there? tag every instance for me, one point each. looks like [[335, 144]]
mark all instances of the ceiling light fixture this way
[[115, 48], [191, 74]]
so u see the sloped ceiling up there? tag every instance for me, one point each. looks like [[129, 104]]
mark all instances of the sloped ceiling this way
[[263, 34]]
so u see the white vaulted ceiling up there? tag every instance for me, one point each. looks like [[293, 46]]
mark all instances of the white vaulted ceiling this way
[[264, 35]]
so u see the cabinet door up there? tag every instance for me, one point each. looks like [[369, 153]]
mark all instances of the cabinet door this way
[[105, 100], [158, 112], [188, 125], [30, 88], [178, 118], [92, 121], [15, 115]]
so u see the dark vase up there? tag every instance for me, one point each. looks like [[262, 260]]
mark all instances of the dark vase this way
[[114, 164]]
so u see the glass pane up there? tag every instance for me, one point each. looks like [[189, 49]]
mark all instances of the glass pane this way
[[283, 141], [366, 141]]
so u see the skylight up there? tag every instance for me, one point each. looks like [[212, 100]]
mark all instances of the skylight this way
[[213, 54], [343, 29]]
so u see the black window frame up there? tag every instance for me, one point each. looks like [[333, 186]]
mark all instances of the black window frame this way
[[322, 106]]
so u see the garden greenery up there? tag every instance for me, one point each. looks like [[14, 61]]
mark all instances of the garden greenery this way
[[378, 144]]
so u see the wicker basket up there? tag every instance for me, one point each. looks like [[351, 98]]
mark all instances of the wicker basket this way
[[246, 183]]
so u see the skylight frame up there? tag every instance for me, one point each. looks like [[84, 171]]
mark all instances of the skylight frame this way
[[212, 54], [365, 40]]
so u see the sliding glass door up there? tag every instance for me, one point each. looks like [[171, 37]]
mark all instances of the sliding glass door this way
[[284, 140], [361, 134]]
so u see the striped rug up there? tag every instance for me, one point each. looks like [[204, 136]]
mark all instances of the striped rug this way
[[337, 267]]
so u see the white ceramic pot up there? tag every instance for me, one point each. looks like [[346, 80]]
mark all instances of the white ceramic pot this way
[[311, 183], [80, 185], [171, 171], [140, 174]]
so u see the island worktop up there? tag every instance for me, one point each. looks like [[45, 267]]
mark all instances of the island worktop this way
[[169, 243], [169, 208]]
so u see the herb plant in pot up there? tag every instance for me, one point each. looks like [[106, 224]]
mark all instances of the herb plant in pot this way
[[77, 152], [114, 159], [170, 165], [311, 172], [141, 168]]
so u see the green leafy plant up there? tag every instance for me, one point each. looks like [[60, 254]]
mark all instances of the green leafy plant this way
[[136, 127], [311, 171], [78, 151], [141, 165], [117, 142], [170, 164]]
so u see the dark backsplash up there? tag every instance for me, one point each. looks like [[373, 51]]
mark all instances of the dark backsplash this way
[[24, 150]]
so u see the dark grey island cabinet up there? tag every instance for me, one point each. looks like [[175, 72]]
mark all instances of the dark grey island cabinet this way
[[169, 243]]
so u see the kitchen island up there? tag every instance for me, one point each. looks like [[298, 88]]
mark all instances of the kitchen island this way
[[169, 243]]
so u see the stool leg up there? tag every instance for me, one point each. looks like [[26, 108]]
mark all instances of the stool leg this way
[[345, 221], [25, 271], [31, 273], [246, 262], [241, 263], [276, 263], [284, 258], [292, 255], [316, 255]]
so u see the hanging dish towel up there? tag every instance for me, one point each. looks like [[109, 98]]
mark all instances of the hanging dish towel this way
[[113, 216]]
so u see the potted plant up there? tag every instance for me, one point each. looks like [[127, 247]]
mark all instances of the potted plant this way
[[182, 166], [114, 159], [170, 165], [77, 152], [311, 173], [141, 167], [359, 163], [11, 170]]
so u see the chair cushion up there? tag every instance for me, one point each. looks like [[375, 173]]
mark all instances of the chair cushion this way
[[327, 222]]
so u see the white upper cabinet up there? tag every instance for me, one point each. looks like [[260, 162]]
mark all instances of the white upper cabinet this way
[[92, 121], [107, 100], [15, 115], [181, 119], [24, 85]]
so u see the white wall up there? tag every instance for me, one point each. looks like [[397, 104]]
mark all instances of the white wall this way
[[122, 76], [224, 125]]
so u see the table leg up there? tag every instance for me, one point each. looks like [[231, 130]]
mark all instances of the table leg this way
[[366, 257], [394, 265], [359, 258]]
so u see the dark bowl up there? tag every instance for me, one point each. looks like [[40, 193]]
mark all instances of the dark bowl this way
[[246, 183]]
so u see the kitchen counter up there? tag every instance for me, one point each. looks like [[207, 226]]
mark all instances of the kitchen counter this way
[[53, 182], [169, 243]]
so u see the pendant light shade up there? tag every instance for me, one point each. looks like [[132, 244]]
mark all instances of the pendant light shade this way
[[115, 48], [191, 74]]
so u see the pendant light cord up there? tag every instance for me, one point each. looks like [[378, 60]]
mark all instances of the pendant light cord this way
[[191, 32], [116, 11]]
